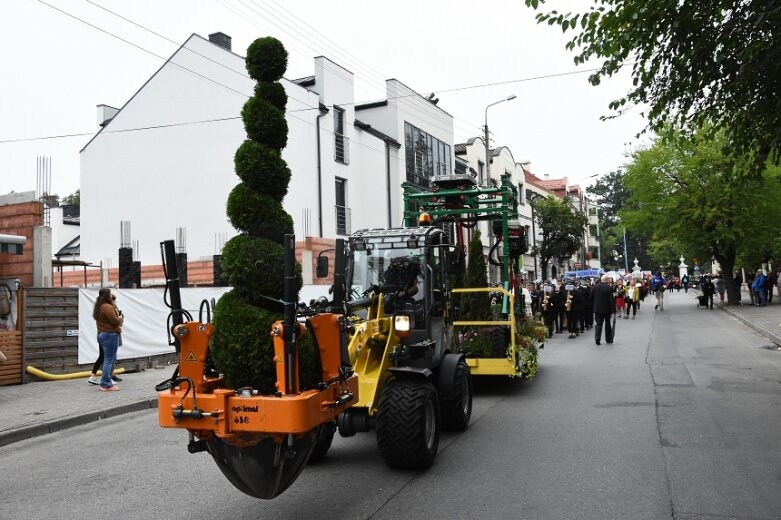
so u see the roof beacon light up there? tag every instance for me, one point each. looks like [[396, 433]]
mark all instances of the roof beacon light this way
[[424, 219]]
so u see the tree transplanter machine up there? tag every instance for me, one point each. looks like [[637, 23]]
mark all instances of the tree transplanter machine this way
[[260, 442]]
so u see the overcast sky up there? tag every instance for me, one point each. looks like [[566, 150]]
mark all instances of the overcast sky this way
[[55, 69]]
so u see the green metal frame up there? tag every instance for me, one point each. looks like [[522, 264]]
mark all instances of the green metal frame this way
[[483, 203]]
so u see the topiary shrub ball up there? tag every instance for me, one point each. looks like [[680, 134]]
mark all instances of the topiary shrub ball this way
[[266, 59], [257, 214], [242, 346], [274, 93], [254, 267], [262, 169], [264, 123]]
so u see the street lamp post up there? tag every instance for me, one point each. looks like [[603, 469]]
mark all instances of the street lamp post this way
[[488, 166], [487, 147], [530, 199], [626, 258]]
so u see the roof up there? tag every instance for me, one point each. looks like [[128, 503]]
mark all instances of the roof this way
[[459, 148], [373, 104], [366, 127], [307, 81], [164, 65], [72, 248]]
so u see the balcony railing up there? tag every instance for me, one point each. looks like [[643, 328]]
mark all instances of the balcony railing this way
[[341, 149], [343, 226]]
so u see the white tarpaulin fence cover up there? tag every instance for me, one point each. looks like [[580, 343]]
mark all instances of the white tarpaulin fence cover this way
[[144, 332]]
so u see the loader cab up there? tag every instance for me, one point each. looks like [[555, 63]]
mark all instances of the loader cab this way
[[408, 269]]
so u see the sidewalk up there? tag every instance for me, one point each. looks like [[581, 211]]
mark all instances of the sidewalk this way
[[765, 320], [43, 407]]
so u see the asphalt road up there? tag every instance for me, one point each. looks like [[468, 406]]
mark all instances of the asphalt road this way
[[680, 418]]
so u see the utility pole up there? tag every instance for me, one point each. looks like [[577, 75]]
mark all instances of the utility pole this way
[[488, 165], [626, 258]]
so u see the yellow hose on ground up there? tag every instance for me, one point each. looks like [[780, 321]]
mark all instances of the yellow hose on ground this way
[[60, 377]]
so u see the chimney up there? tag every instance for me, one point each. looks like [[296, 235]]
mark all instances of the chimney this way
[[221, 39], [546, 176], [106, 114]]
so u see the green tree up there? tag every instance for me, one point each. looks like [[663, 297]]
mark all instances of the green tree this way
[[474, 306], [73, 198], [693, 63], [611, 195], [687, 194], [561, 229], [252, 261]]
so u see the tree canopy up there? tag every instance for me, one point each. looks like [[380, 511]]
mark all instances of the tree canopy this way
[[691, 198], [714, 64], [609, 193], [561, 229]]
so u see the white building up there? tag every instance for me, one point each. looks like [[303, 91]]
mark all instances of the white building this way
[[165, 159]]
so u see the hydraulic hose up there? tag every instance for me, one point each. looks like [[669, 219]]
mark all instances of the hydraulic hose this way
[[61, 377]]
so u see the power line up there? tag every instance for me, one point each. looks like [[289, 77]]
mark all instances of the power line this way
[[441, 119], [267, 16], [178, 44], [109, 33], [299, 110]]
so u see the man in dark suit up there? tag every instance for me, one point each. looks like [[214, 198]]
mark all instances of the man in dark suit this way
[[604, 306]]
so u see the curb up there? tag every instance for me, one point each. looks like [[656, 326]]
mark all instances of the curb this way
[[773, 336], [56, 425]]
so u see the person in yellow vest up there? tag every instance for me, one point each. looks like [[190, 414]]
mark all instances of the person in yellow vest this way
[[632, 299]]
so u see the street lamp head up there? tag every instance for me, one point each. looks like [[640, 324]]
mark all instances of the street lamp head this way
[[510, 97]]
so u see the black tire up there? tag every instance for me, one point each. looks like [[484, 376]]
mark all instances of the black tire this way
[[457, 412], [323, 443], [500, 338], [408, 424]]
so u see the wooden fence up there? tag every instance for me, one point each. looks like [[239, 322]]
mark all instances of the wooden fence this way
[[11, 345], [49, 313]]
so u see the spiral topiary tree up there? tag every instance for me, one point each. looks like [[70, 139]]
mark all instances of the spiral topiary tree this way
[[474, 306], [252, 262]]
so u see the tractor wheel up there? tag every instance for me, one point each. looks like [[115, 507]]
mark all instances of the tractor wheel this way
[[500, 337], [323, 443], [456, 412], [408, 424]]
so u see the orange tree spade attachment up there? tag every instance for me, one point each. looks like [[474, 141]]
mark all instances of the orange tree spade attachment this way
[[260, 442]]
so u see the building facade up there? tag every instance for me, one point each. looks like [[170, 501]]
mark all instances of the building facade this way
[[163, 162]]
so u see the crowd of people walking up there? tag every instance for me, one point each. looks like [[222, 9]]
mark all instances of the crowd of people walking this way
[[575, 306]]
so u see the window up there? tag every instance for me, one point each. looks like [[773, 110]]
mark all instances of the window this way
[[594, 253], [593, 231], [521, 199], [342, 211], [340, 141], [480, 173], [425, 155]]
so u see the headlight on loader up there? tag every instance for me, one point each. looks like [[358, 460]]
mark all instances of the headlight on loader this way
[[403, 324]]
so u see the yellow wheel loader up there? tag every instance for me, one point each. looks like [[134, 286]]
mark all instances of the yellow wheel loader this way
[[411, 383]]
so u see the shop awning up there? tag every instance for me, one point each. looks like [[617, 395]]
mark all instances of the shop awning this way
[[13, 244]]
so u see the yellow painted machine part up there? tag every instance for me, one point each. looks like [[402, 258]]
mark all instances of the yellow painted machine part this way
[[370, 350], [507, 366], [60, 377]]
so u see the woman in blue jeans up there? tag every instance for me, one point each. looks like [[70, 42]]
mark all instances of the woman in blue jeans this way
[[109, 324]]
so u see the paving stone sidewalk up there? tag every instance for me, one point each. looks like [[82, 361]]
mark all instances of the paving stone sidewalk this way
[[43, 407]]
